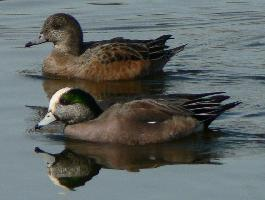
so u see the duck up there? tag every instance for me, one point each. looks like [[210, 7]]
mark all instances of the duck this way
[[114, 59], [135, 122]]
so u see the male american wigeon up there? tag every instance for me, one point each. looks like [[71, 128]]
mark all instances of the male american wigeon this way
[[115, 59], [135, 122]]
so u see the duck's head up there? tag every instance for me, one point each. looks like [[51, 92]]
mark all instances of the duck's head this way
[[70, 105], [63, 30]]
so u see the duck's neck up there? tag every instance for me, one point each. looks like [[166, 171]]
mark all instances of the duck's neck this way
[[85, 114], [95, 108], [72, 46]]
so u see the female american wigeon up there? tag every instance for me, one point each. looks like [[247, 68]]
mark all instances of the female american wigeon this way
[[115, 59], [135, 122]]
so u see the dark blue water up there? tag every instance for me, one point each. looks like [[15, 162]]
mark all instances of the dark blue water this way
[[225, 52]]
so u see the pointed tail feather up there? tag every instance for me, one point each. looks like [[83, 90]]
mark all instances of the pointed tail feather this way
[[208, 107], [166, 54], [211, 99], [192, 97], [208, 117], [174, 51], [162, 39]]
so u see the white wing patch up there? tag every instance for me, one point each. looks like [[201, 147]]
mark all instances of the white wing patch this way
[[153, 122], [152, 158]]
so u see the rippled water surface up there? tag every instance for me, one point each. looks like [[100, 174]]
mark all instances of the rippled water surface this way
[[225, 52]]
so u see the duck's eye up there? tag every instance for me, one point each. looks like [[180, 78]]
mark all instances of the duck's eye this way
[[64, 102], [56, 26]]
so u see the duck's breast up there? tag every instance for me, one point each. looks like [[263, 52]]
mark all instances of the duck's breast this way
[[61, 65]]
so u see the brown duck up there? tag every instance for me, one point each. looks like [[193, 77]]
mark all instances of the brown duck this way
[[115, 59], [136, 122]]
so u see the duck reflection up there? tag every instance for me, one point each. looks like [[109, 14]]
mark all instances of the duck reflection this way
[[79, 162], [107, 89], [155, 84], [69, 170]]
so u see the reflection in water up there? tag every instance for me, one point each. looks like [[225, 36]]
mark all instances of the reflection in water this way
[[38, 113], [154, 84], [69, 170], [101, 90], [79, 162]]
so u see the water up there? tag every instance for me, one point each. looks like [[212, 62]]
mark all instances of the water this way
[[225, 52]]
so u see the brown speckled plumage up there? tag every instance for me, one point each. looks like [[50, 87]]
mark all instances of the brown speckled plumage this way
[[115, 59]]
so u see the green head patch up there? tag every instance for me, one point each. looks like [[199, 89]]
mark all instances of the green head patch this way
[[74, 96], [77, 96]]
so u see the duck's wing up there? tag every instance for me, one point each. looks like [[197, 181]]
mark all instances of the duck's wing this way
[[158, 41], [150, 111], [126, 49], [118, 61], [122, 59], [169, 99], [114, 52], [205, 108]]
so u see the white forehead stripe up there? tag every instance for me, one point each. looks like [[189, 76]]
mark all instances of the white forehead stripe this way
[[55, 98]]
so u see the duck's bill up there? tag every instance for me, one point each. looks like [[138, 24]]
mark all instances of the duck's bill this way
[[49, 118], [47, 157], [41, 39]]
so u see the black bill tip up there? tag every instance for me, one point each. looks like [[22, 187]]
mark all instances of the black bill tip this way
[[37, 127], [38, 150], [29, 44]]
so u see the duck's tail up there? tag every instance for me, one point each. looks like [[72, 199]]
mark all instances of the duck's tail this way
[[160, 41], [207, 109], [174, 51], [158, 48]]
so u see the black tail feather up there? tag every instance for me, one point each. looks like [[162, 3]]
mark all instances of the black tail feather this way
[[174, 51], [196, 106], [160, 40], [158, 48], [193, 96], [211, 99], [207, 108], [218, 112]]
